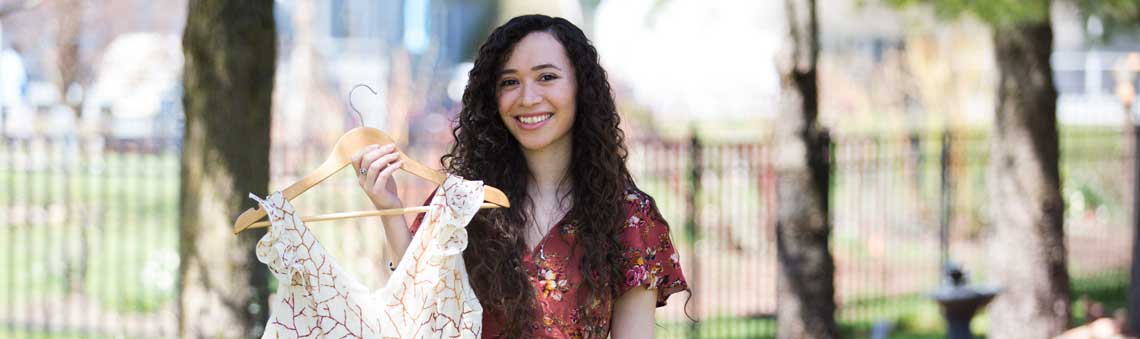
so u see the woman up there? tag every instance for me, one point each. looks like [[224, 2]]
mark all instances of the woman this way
[[581, 246]]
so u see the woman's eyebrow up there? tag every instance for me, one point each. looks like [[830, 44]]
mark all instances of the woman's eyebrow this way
[[535, 68], [542, 66]]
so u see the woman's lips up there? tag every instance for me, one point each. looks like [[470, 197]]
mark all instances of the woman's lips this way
[[533, 121]]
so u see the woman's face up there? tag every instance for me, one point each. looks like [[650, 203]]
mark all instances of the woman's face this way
[[537, 92]]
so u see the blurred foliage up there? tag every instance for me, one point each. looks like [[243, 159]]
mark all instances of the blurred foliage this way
[[1117, 16], [995, 12], [1122, 10], [1115, 13]]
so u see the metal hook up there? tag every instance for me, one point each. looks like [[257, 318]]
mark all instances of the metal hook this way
[[350, 105]]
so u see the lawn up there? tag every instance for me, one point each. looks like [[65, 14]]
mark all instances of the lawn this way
[[910, 317], [120, 226]]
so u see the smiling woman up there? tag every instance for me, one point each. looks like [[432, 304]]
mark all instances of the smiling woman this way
[[536, 89], [539, 122]]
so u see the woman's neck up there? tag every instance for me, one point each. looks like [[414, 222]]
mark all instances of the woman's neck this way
[[549, 166]]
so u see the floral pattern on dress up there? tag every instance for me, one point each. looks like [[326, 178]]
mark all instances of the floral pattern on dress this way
[[649, 260]]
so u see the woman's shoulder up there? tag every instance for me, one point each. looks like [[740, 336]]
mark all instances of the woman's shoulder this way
[[636, 198], [640, 208]]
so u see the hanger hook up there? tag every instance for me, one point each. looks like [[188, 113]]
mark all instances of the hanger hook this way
[[350, 105]]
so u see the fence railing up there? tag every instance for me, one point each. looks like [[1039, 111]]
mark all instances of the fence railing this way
[[89, 238]]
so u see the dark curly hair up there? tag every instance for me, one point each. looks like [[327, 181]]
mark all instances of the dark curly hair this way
[[484, 149]]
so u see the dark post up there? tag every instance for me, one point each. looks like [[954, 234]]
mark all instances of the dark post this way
[[944, 218], [828, 153], [695, 164], [958, 299], [916, 160]]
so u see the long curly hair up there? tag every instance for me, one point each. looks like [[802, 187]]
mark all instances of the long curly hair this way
[[484, 149]]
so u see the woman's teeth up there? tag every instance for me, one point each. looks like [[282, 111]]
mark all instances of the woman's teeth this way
[[535, 119]]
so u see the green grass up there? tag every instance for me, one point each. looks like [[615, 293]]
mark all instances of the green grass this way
[[912, 317], [121, 263], [130, 213], [32, 333], [1108, 288], [720, 327]]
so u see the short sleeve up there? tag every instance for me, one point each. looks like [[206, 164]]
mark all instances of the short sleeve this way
[[649, 257], [415, 226]]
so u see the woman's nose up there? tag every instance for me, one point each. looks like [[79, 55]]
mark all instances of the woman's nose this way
[[531, 96]]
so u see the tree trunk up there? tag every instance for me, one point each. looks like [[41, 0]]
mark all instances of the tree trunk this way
[[230, 50], [1024, 187], [806, 288], [1125, 75], [72, 72], [1133, 192]]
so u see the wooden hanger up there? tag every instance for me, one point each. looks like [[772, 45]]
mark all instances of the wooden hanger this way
[[346, 146]]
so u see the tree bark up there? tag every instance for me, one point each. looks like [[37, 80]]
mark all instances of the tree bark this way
[[806, 287], [1133, 192], [72, 69], [1024, 187], [230, 50], [1125, 75]]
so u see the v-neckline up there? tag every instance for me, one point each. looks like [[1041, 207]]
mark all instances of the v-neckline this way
[[538, 245]]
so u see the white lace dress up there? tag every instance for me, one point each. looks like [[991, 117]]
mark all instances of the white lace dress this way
[[427, 296]]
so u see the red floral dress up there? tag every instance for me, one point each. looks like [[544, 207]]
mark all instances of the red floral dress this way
[[553, 266]]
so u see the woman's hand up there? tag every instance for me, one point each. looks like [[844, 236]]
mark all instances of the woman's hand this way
[[378, 164]]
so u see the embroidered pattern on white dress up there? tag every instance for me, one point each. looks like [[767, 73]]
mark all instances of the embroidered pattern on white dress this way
[[427, 296]]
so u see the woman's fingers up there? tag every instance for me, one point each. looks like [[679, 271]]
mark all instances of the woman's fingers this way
[[358, 158], [370, 155], [382, 179], [378, 165], [374, 166]]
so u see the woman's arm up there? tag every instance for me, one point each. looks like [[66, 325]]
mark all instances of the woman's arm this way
[[398, 236], [633, 314], [375, 165]]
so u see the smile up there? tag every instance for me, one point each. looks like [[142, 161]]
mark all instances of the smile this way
[[533, 121]]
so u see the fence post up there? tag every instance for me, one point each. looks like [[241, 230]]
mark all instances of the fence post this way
[[916, 160], [828, 153], [944, 203], [693, 209]]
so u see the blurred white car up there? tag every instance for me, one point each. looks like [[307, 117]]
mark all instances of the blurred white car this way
[[136, 93]]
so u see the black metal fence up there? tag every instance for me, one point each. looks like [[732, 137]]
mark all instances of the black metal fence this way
[[89, 227]]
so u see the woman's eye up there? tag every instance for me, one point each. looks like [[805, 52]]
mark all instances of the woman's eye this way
[[508, 82], [547, 77]]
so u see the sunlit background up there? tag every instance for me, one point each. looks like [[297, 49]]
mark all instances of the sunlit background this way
[[91, 121]]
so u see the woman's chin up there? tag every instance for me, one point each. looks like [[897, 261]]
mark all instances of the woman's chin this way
[[534, 145], [533, 142]]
